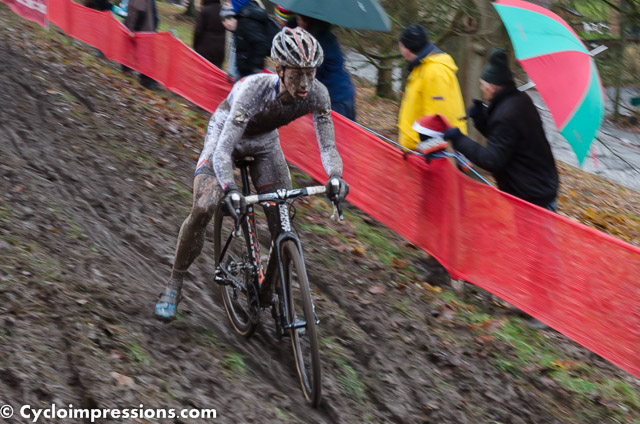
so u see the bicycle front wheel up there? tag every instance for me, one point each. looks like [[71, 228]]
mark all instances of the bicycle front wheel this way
[[235, 271], [302, 320]]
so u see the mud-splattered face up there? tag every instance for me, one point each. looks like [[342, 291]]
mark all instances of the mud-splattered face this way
[[296, 81]]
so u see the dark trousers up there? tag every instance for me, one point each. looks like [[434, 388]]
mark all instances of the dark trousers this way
[[346, 108]]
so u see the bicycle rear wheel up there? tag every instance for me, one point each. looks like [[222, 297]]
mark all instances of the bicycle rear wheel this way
[[301, 317], [236, 268]]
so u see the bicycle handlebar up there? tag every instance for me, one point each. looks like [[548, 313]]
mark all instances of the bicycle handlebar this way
[[283, 194]]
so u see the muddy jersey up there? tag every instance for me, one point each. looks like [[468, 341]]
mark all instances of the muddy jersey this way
[[246, 123]]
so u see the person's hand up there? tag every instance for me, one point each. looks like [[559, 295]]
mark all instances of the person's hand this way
[[452, 134], [234, 201], [476, 110], [337, 188]]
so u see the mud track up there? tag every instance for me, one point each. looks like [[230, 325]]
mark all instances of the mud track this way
[[94, 183]]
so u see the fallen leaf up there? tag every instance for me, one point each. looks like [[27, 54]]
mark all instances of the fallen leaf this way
[[359, 251], [122, 380], [116, 354], [377, 289], [399, 263]]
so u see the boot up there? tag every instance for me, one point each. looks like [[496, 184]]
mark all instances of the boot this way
[[167, 305]]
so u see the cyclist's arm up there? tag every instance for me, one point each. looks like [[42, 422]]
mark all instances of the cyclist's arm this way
[[322, 122], [233, 128]]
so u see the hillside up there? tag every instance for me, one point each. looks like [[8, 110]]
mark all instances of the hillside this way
[[96, 180]]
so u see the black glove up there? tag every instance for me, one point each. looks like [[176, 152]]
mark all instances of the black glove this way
[[476, 110], [337, 190], [234, 201], [452, 134]]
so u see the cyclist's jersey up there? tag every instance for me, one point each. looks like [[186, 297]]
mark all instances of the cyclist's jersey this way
[[246, 123]]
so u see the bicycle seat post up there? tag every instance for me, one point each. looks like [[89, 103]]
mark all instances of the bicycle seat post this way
[[243, 164]]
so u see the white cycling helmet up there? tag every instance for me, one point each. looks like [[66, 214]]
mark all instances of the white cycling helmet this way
[[296, 48]]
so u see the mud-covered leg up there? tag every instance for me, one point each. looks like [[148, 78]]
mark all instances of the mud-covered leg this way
[[270, 172], [206, 193]]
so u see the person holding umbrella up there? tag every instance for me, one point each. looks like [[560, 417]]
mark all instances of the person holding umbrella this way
[[518, 153]]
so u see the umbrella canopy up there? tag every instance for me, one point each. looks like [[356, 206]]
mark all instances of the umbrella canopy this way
[[562, 68], [357, 14]]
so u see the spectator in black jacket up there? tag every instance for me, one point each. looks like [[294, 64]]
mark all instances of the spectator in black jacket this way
[[252, 45], [100, 5], [518, 153], [209, 33]]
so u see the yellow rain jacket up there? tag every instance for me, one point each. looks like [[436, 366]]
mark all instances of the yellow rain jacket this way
[[432, 87]]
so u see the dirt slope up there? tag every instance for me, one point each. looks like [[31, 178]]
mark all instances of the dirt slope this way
[[95, 178]]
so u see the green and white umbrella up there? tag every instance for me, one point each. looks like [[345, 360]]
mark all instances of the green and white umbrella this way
[[356, 14]]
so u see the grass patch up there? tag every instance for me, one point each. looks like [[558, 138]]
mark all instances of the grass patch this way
[[76, 232], [311, 227], [579, 378], [402, 307], [375, 240], [233, 365], [5, 215], [207, 338], [347, 376], [181, 191], [137, 354], [282, 415], [349, 382], [172, 18]]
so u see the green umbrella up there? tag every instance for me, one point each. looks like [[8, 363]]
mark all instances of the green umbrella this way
[[357, 14]]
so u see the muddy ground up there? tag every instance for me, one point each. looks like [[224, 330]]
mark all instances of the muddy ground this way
[[95, 177]]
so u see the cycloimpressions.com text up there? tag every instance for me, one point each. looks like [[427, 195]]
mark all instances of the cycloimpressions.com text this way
[[96, 414]]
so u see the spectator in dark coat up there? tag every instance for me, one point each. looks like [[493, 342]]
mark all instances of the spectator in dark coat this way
[[332, 73], [518, 153], [209, 33], [100, 5], [142, 16], [252, 45]]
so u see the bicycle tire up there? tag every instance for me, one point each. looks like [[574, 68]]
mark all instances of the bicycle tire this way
[[238, 306], [304, 341]]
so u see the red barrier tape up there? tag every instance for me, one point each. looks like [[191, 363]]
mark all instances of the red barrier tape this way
[[32, 10], [580, 281]]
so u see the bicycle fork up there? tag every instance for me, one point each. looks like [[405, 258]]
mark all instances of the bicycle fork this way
[[286, 325]]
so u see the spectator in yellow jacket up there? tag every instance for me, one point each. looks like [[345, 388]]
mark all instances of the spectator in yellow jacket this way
[[432, 86]]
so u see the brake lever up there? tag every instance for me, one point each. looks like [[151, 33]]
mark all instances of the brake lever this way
[[337, 211], [337, 205], [235, 202]]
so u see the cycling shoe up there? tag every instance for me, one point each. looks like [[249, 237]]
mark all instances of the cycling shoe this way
[[167, 305]]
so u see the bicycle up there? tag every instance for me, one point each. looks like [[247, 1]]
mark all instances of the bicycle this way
[[285, 287]]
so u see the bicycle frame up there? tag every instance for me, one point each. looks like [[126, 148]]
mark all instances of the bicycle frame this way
[[278, 199]]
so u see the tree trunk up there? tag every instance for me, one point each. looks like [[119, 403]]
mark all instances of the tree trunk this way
[[484, 34], [384, 86], [191, 9], [618, 76]]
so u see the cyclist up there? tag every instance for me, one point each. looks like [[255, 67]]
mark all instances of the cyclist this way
[[246, 123]]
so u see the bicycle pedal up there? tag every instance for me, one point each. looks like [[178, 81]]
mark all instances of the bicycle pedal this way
[[220, 280]]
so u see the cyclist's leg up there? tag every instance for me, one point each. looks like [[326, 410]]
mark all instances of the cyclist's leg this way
[[269, 172], [206, 193]]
